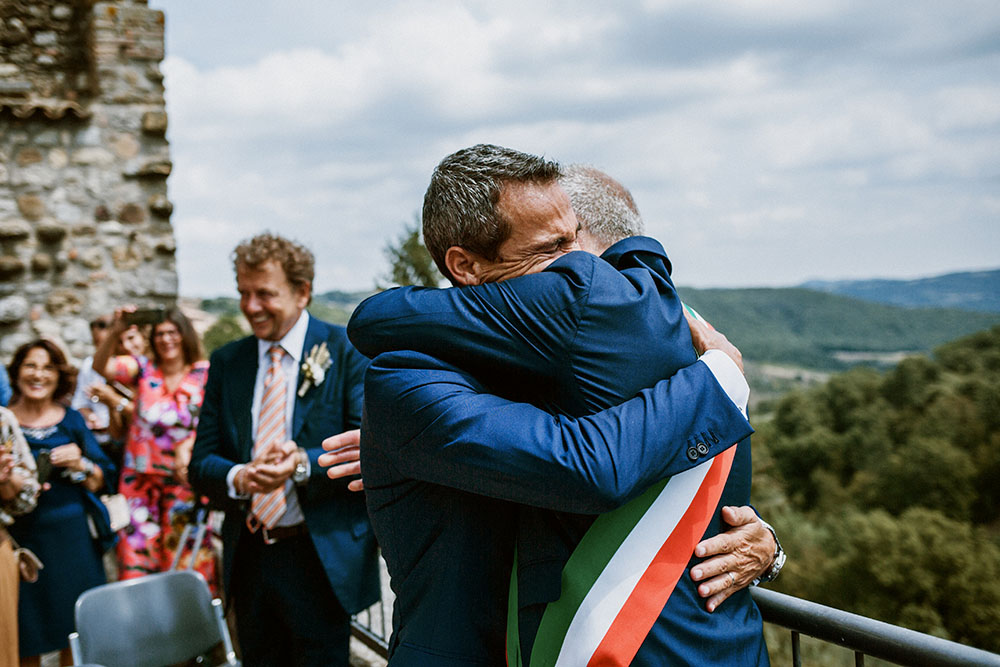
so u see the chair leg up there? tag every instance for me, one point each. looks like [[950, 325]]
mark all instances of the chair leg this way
[[74, 648], [227, 642]]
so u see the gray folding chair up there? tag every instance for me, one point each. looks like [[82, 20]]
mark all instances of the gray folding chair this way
[[156, 620]]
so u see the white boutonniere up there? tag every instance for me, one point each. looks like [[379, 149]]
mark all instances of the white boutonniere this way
[[313, 369]]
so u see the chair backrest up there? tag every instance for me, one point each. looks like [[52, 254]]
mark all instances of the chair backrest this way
[[159, 619]]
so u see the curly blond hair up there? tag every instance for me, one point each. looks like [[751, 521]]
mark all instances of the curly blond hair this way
[[295, 259]]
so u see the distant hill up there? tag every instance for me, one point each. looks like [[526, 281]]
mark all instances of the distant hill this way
[[801, 327], [977, 291]]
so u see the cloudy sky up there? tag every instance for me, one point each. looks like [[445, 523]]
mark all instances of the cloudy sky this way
[[767, 142]]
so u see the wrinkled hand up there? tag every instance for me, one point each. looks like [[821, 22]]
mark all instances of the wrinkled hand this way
[[270, 469], [67, 456], [705, 337], [746, 550], [343, 457]]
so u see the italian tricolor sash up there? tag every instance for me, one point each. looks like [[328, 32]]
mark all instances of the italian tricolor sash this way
[[618, 579]]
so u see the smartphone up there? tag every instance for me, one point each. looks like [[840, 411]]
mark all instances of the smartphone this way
[[145, 316], [44, 464]]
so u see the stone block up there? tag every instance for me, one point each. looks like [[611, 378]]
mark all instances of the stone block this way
[[47, 138], [84, 229], [165, 246], [14, 231], [27, 156], [158, 168], [58, 158], [126, 258], [155, 123], [91, 258], [131, 214], [31, 206], [62, 12], [125, 146], [50, 232], [89, 137], [41, 262], [64, 301], [11, 267], [13, 309], [98, 157], [160, 205], [45, 38]]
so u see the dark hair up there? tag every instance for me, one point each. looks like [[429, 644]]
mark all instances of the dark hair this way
[[190, 341], [67, 374], [460, 205], [295, 259]]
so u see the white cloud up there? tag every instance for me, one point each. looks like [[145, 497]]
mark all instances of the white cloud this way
[[744, 128]]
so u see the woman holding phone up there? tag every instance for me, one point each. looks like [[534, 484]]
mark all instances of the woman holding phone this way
[[70, 463], [168, 390]]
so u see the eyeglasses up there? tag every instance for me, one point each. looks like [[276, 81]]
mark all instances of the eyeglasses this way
[[169, 333], [33, 368]]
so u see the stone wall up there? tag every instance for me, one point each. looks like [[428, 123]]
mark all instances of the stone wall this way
[[84, 160]]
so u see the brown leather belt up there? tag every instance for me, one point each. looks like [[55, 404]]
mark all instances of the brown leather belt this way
[[279, 533]]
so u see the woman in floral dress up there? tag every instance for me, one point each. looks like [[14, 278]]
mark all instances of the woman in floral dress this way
[[169, 390]]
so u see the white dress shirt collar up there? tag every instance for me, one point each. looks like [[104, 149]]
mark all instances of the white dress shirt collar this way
[[292, 343]]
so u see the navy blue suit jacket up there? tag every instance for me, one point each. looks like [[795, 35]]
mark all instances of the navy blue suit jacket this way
[[336, 518], [574, 339]]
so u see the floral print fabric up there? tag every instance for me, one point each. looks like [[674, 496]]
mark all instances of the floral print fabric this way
[[162, 418], [160, 505]]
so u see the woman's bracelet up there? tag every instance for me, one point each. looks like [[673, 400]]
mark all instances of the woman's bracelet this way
[[78, 476]]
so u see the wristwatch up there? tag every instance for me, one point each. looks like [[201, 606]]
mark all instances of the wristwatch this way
[[301, 473], [779, 559]]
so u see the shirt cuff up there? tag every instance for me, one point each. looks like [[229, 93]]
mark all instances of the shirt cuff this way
[[230, 477], [728, 375]]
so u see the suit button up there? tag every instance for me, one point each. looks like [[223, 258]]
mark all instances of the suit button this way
[[692, 453], [702, 448]]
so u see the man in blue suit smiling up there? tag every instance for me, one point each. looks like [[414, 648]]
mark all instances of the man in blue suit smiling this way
[[451, 470], [299, 552]]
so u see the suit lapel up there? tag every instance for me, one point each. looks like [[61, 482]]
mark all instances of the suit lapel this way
[[244, 377], [315, 334]]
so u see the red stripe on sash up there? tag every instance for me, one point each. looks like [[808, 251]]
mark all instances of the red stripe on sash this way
[[643, 607]]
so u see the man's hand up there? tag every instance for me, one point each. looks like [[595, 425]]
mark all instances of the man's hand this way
[[704, 338], [733, 558], [343, 457], [269, 470]]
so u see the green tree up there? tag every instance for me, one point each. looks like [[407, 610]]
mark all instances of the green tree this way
[[409, 261], [227, 328]]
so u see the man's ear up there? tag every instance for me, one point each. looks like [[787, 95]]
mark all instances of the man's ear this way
[[464, 265]]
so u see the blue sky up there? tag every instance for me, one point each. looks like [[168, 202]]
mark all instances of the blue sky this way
[[766, 142]]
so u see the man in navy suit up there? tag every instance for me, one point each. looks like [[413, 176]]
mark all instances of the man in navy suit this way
[[443, 477], [293, 574]]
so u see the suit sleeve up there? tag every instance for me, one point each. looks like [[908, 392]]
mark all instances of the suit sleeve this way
[[208, 469], [522, 323], [432, 422]]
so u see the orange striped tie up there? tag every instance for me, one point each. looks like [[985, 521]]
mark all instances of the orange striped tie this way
[[267, 508]]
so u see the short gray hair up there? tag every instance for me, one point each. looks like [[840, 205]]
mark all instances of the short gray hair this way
[[603, 206], [460, 205]]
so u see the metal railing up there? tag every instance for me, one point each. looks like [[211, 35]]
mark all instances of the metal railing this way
[[864, 636]]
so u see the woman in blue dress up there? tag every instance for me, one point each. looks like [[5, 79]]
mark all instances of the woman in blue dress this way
[[71, 464]]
